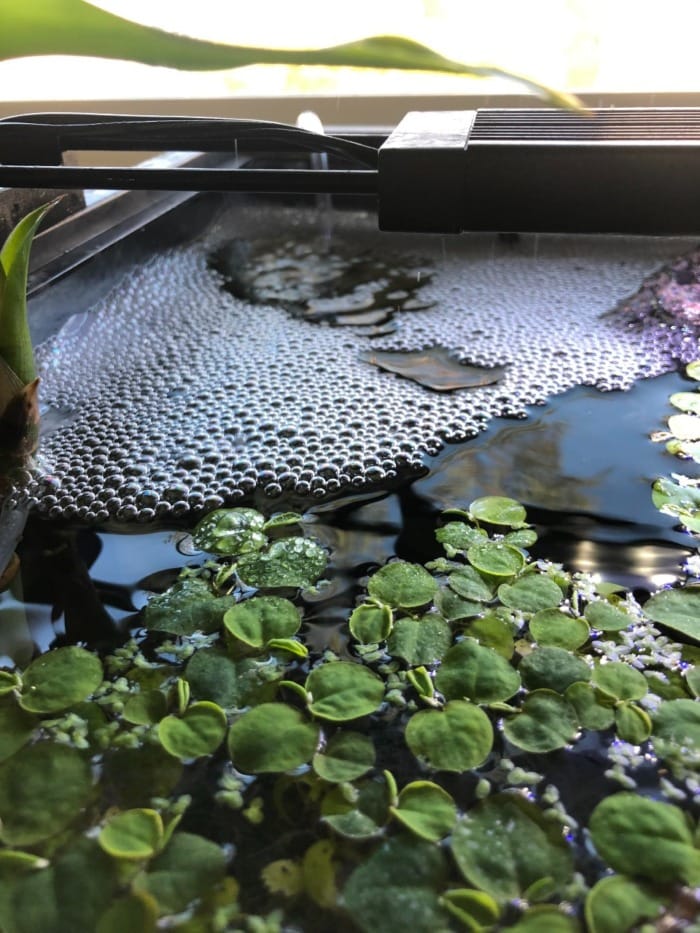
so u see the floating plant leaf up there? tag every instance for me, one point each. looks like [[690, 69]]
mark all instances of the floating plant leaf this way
[[371, 624], [272, 737], [618, 903], [356, 811], [452, 607], [343, 690], [184, 870], [544, 918], [556, 629], [282, 519], [470, 671], [686, 401], [399, 881], [145, 708], [214, 676], [632, 723], [685, 427], [137, 913], [546, 721], [491, 631], [42, 788], [457, 537], [59, 679], [435, 368], [230, 532], [426, 810], [498, 510], [620, 680], [475, 910], [605, 617], [131, 777], [530, 593], [258, 620], [522, 538], [469, 584], [679, 500], [347, 756], [647, 838], [402, 585], [496, 559], [678, 722], [133, 834], [455, 738], [199, 731], [504, 845], [420, 641], [16, 727], [188, 606], [677, 609], [594, 709], [553, 668], [296, 562], [319, 868]]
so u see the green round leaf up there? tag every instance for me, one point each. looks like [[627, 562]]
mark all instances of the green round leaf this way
[[453, 607], [523, 538], [546, 721], [686, 401], [594, 709], [685, 427], [496, 559], [420, 641], [370, 624], [504, 845], [188, 868], [296, 562], [553, 628], [455, 738], [133, 834], [617, 903], [632, 723], [678, 721], [397, 887], [258, 620], [642, 837], [347, 756], [272, 737], [281, 519], [131, 777], [469, 584], [16, 727], [530, 593], [42, 788], [188, 606], [477, 673], [199, 731], [137, 913], [343, 690], [544, 918], [230, 532], [214, 676], [426, 809], [145, 708], [677, 609], [620, 680], [356, 812], [59, 679], [552, 668], [456, 537], [605, 617], [474, 909], [498, 510], [402, 585], [493, 632]]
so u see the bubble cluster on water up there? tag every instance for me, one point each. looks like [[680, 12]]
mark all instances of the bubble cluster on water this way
[[182, 398]]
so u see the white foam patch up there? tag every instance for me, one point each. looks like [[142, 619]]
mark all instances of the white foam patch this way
[[185, 398]]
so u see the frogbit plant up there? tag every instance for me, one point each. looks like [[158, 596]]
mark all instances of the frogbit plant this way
[[499, 744]]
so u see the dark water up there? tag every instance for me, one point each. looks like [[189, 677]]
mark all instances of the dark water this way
[[583, 466]]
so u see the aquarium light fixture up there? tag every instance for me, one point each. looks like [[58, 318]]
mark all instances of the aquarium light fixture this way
[[624, 170]]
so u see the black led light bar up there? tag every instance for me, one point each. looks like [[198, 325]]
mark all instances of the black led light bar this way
[[627, 170]]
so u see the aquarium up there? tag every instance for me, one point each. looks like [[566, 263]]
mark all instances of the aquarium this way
[[358, 583]]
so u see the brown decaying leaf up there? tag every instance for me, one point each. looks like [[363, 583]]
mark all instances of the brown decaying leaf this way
[[434, 368]]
